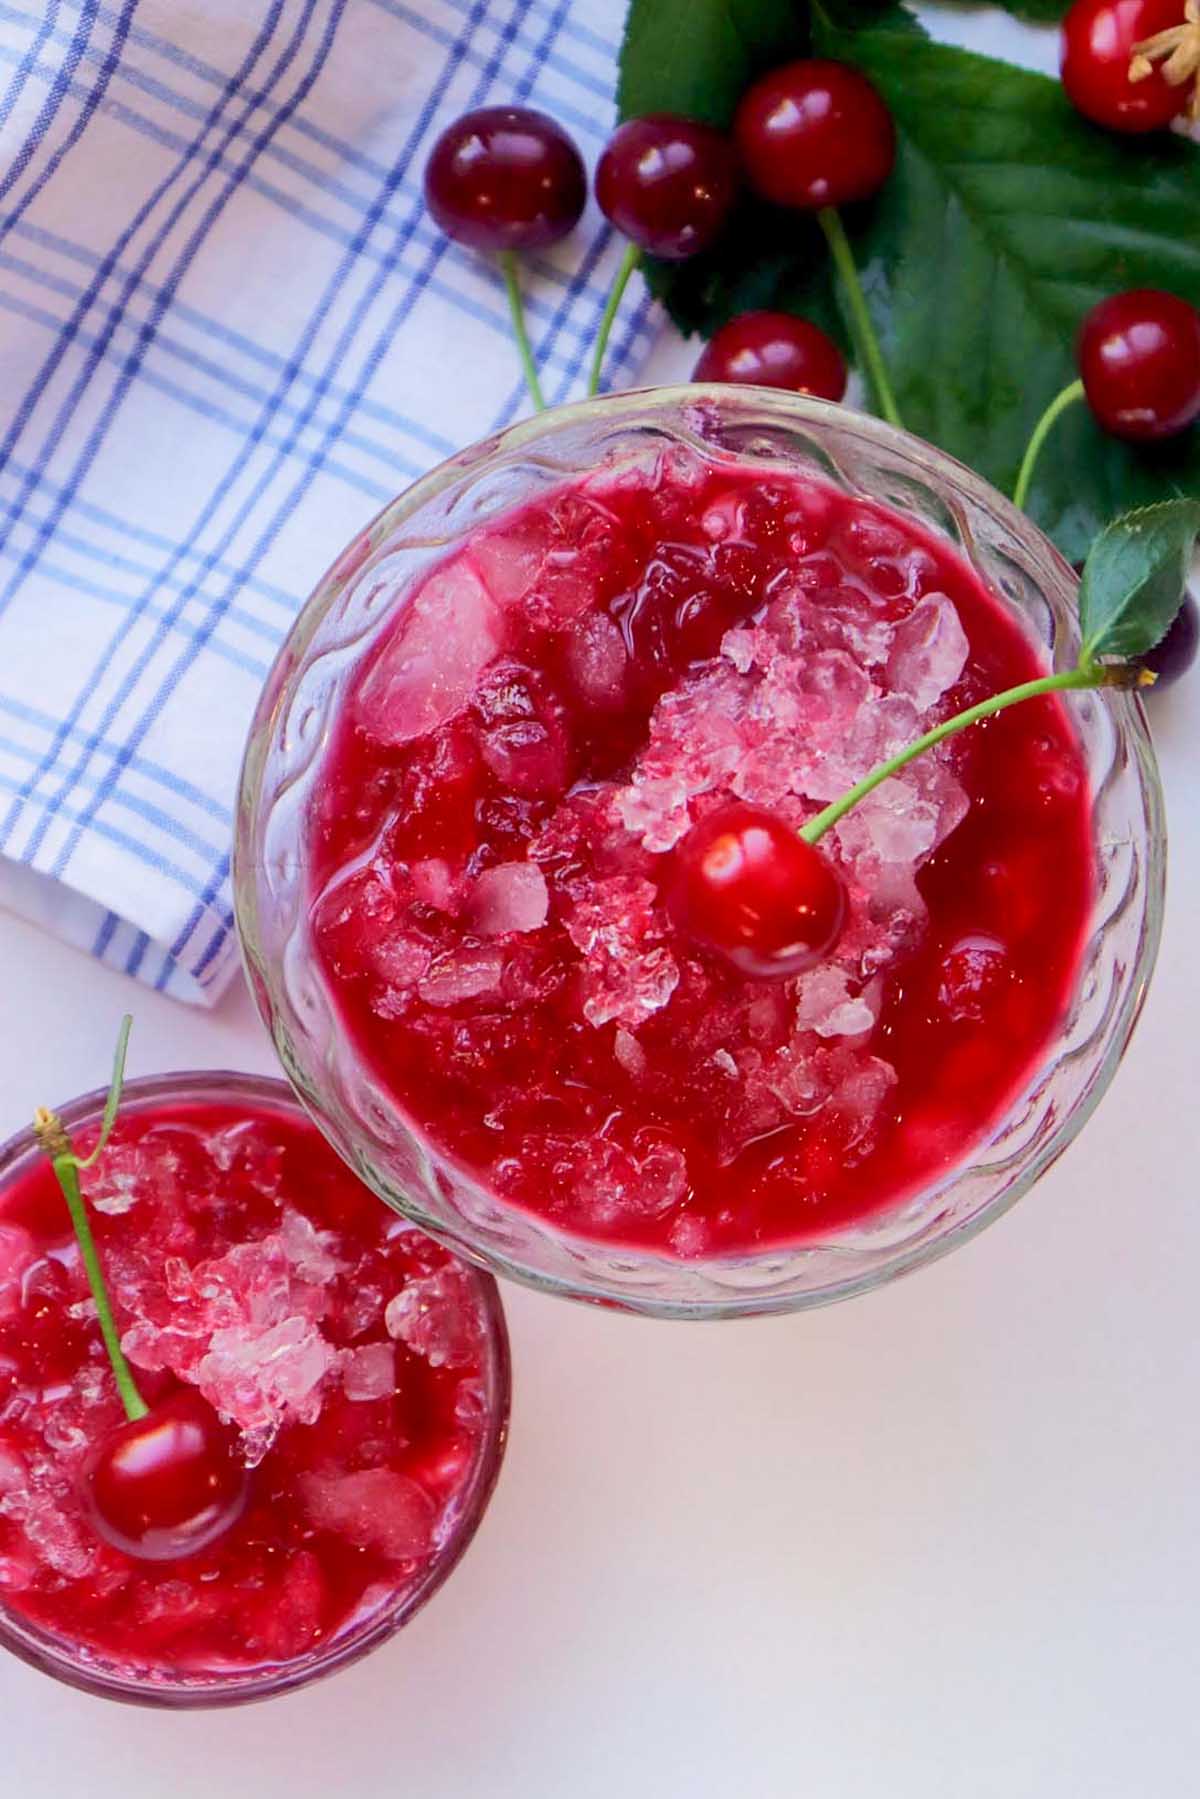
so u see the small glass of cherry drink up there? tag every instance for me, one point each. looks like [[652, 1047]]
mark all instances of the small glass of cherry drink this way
[[328, 1395], [516, 877]]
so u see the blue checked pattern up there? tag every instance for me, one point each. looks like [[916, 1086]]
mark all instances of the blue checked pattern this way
[[224, 341]]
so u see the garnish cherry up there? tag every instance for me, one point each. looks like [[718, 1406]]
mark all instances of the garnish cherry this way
[[746, 885], [169, 1484]]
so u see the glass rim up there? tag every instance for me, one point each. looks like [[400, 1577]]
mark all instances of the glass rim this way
[[1058, 582], [84, 1669]]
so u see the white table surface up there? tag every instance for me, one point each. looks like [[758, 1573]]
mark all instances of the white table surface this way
[[939, 1541]]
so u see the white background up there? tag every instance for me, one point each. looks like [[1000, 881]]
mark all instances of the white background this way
[[939, 1541]]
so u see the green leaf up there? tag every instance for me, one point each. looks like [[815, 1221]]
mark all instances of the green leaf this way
[[1134, 579], [859, 15], [697, 57]]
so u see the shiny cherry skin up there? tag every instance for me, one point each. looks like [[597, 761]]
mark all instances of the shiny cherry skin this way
[[815, 134], [169, 1484], [1175, 654], [1139, 356], [744, 884], [1097, 44], [667, 184], [774, 349], [505, 178]]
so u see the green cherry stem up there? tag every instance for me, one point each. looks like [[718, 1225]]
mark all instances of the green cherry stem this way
[[625, 268], [1041, 432], [1072, 678], [516, 308], [861, 327], [52, 1137]]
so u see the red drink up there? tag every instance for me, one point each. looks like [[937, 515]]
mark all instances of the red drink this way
[[525, 744], [364, 1367]]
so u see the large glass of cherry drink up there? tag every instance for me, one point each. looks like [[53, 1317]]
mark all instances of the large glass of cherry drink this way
[[480, 773], [327, 1392]]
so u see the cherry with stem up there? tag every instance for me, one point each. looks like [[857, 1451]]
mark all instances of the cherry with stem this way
[[506, 179], [169, 1481], [815, 136], [668, 185], [762, 896], [1138, 355]]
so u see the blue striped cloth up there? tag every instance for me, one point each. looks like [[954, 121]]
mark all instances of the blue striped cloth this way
[[226, 326]]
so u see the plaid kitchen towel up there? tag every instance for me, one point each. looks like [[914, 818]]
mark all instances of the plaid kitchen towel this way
[[230, 333]]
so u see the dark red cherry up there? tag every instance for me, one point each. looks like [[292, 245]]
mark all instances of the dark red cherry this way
[[1175, 654], [743, 883], [505, 178], [667, 184], [1097, 48], [815, 134], [169, 1484], [1139, 356], [773, 349]]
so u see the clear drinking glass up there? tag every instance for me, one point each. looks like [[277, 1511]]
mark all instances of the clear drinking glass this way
[[81, 1666], [768, 430]]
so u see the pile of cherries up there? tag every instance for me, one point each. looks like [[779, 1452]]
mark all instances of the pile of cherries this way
[[814, 136], [811, 135]]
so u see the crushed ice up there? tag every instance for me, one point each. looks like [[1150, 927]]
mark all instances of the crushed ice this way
[[436, 1317], [244, 1328]]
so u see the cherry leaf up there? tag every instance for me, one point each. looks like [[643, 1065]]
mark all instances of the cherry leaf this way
[[1134, 579]]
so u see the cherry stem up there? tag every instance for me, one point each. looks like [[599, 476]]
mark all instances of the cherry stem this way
[[629, 262], [1041, 432], [52, 1137], [861, 327], [516, 308], [1093, 676]]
